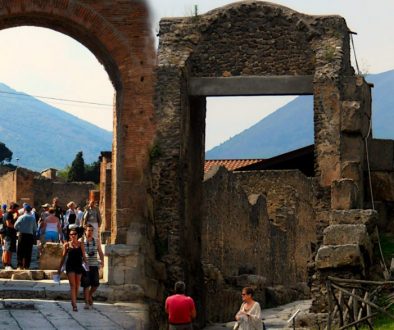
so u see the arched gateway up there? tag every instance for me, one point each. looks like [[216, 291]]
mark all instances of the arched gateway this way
[[119, 35]]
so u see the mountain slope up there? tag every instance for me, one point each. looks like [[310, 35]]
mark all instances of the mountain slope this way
[[291, 126], [288, 128], [42, 136]]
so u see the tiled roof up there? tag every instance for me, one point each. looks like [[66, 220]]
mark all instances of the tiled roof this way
[[229, 164]]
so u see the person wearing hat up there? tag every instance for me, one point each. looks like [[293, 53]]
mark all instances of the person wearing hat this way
[[26, 226]]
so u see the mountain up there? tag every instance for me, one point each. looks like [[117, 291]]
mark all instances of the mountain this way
[[291, 126], [42, 136]]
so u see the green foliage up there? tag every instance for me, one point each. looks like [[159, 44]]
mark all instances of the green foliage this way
[[63, 174], [387, 243], [382, 321], [77, 169], [92, 172], [5, 153]]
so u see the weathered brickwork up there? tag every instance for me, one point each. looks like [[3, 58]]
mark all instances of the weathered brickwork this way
[[119, 34]]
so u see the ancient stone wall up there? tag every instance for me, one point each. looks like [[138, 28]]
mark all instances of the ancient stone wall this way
[[290, 204], [249, 38], [258, 229], [8, 188], [45, 190]]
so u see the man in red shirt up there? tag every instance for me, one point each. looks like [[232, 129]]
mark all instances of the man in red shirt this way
[[180, 309]]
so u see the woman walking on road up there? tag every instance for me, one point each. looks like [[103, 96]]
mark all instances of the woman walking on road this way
[[74, 250]]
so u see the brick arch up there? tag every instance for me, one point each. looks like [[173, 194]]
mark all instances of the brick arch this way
[[118, 34]]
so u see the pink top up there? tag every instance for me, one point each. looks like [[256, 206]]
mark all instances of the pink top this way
[[180, 308]]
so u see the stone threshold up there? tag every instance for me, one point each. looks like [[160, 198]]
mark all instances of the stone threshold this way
[[29, 274], [48, 289]]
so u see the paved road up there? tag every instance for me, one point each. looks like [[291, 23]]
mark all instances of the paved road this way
[[50, 314]]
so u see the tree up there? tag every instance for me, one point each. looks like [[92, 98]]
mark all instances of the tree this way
[[92, 172], [5, 153], [77, 169]]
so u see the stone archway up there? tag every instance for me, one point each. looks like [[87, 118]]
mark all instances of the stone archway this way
[[118, 34]]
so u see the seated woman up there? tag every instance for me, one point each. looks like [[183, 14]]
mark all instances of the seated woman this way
[[51, 227]]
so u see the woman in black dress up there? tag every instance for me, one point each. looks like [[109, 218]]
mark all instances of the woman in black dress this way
[[75, 252]]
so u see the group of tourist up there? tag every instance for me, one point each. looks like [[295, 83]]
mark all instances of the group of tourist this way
[[78, 230], [181, 310], [22, 227]]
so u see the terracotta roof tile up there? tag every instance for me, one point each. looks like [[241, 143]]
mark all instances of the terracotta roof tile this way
[[229, 164]]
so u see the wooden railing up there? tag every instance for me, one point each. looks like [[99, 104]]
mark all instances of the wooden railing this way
[[354, 302]]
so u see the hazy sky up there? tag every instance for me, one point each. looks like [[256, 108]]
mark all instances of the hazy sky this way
[[68, 70]]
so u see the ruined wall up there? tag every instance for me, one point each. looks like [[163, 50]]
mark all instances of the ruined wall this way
[[257, 229], [8, 188], [45, 190], [290, 204]]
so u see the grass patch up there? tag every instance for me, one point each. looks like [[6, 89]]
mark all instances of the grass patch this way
[[387, 243]]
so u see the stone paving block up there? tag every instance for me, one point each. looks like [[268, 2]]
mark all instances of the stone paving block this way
[[7, 321], [31, 319]]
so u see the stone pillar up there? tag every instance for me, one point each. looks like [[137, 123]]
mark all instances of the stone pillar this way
[[105, 194]]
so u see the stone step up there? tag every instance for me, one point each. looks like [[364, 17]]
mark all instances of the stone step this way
[[31, 274], [48, 289]]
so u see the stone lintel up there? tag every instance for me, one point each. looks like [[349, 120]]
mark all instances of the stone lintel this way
[[251, 85]]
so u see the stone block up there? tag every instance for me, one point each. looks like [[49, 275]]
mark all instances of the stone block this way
[[37, 275], [51, 254], [348, 234], [344, 195], [22, 275], [368, 218], [122, 264], [352, 148], [352, 170], [6, 273], [381, 154], [351, 117], [338, 256]]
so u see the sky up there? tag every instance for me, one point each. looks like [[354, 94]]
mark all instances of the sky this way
[[67, 70]]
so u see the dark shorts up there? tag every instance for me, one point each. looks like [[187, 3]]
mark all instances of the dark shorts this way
[[9, 244], [90, 278]]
